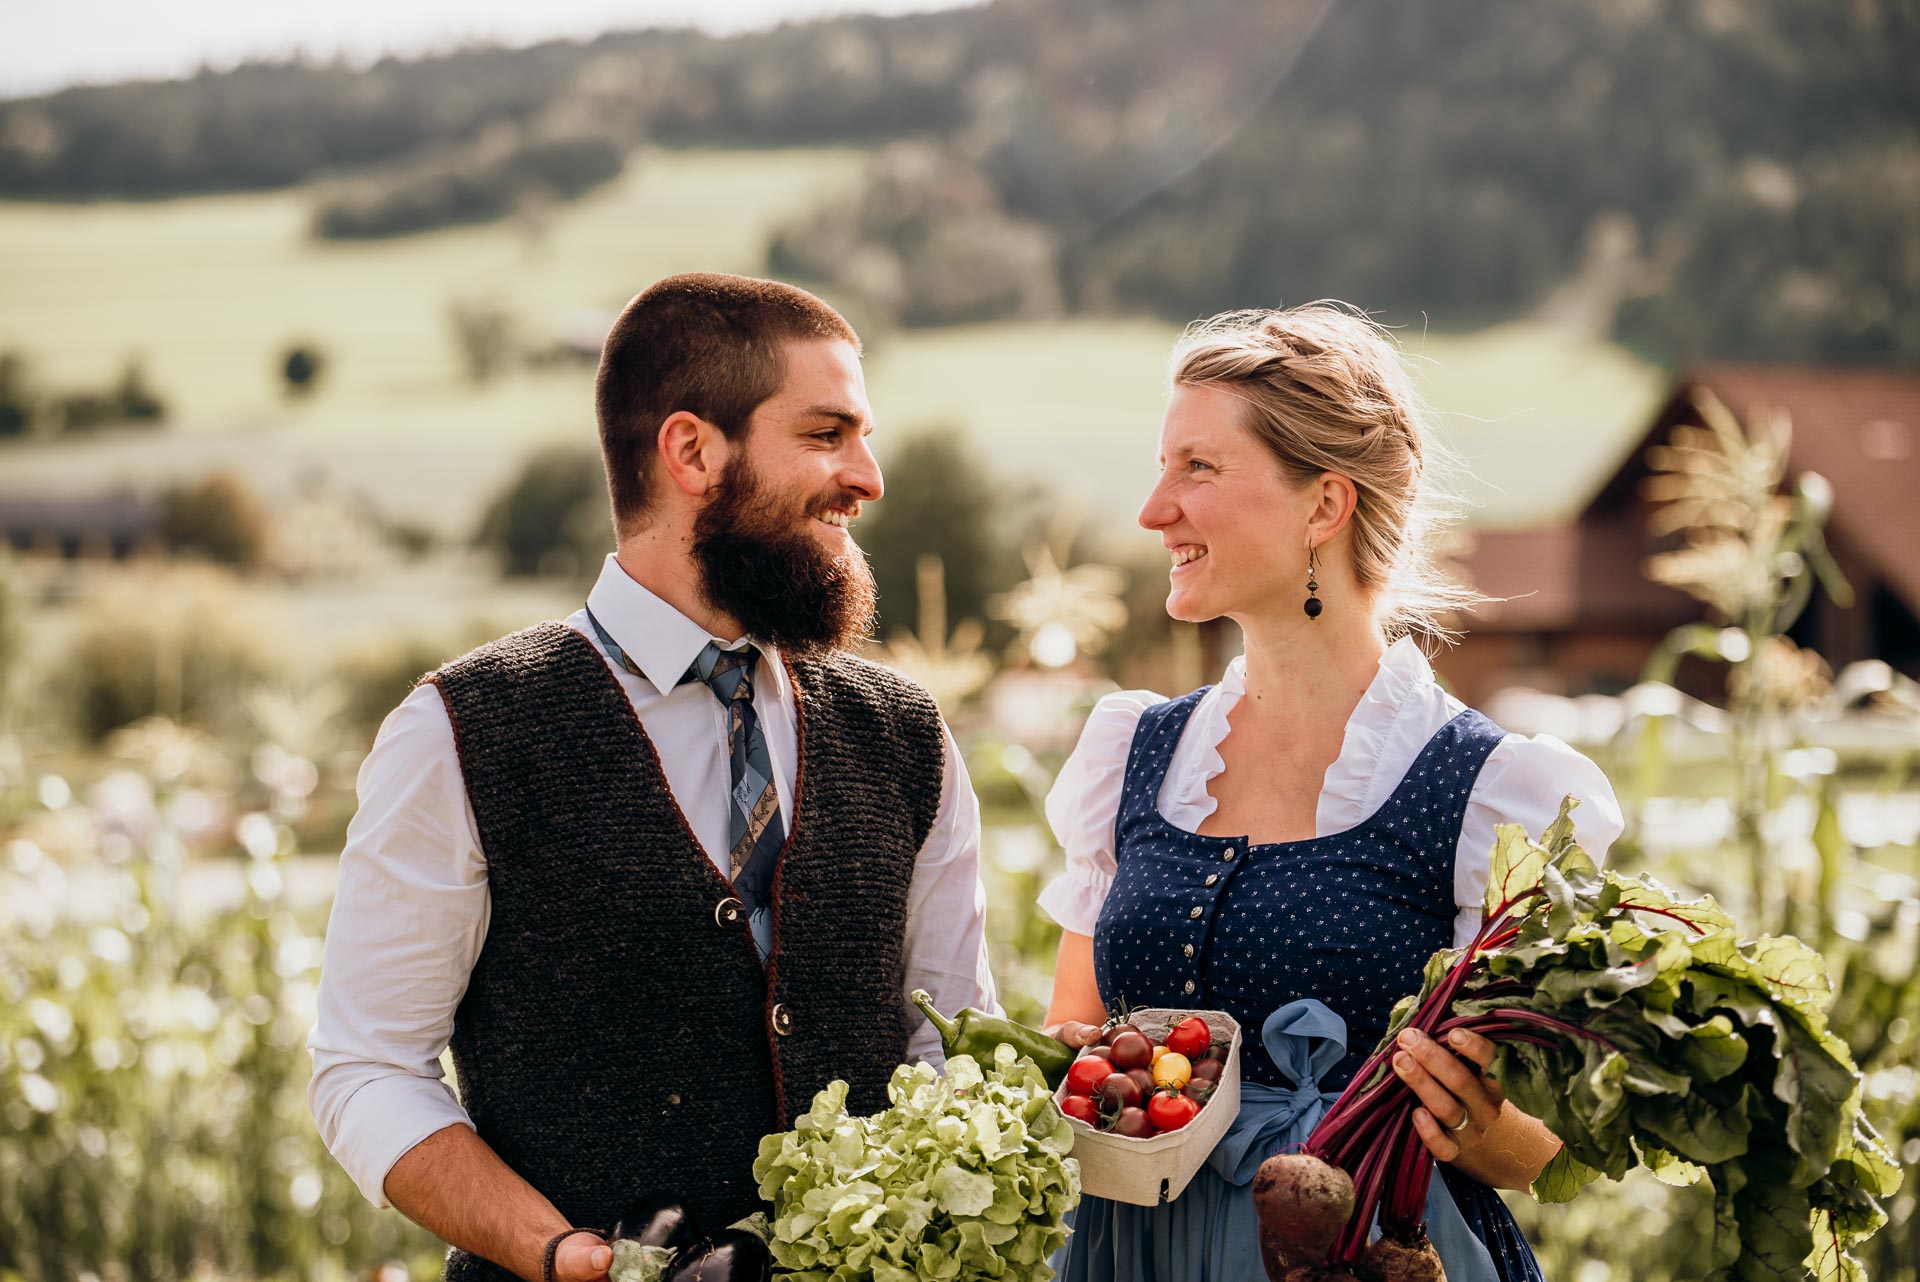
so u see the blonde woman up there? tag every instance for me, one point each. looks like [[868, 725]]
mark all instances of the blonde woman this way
[[1290, 844]]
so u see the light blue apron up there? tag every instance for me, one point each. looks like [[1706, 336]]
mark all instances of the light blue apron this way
[[1210, 1233]]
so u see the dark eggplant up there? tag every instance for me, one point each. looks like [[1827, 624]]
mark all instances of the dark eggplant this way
[[657, 1220], [732, 1255]]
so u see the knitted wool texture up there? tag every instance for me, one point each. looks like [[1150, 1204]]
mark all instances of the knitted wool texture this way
[[617, 1037]]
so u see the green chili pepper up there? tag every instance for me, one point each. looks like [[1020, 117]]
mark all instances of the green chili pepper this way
[[972, 1033]]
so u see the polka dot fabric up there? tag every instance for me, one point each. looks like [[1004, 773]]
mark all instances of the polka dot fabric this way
[[1349, 918], [1218, 923]]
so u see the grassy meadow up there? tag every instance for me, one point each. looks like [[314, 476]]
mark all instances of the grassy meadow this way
[[209, 292]]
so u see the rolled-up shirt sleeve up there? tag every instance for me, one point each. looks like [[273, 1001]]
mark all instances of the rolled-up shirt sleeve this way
[[409, 915], [946, 936]]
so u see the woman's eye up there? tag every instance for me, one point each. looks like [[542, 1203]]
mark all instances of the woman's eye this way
[[1197, 465]]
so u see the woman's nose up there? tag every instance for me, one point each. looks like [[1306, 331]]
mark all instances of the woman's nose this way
[[1159, 511]]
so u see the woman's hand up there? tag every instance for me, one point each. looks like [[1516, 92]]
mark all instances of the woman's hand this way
[[1463, 1116], [1074, 1033], [1076, 997]]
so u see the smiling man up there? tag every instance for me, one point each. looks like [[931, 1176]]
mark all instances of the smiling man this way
[[660, 872]]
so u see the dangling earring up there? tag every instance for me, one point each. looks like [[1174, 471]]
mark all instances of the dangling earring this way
[[1313, 602]]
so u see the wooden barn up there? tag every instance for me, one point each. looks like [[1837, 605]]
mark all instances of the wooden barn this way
[[1580, 616]]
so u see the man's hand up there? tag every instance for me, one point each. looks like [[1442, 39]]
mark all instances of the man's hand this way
[[584, 1257], [457, 1188]]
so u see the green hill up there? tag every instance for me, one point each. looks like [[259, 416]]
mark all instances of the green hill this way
[[210, 289]]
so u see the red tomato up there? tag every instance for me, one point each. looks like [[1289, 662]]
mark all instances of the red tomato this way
[[1086, 1074], [1170, 1112], [1081, 1107], [1190, 1037]]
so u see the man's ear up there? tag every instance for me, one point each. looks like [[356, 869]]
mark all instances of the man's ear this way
[[693, 452]]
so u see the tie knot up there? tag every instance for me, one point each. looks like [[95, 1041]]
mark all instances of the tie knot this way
[[728, 673]]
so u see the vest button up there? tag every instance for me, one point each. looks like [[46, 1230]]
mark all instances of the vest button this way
[[1195, 911], [782, 1019], [1187, 949], [1212, 877], [1187, 988], [727, 912]]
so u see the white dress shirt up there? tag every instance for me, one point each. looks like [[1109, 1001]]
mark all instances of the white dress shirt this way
[[1522, 782], [412, 906]]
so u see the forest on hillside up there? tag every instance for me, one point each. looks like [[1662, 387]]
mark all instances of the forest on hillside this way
[[1698, 177]]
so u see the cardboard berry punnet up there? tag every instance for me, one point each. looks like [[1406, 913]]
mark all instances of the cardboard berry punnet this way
[[1158, 1168]]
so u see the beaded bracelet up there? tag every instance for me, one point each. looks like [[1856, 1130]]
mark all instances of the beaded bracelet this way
[[553, 1244]]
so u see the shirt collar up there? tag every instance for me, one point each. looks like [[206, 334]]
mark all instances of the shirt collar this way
[[661, 641]]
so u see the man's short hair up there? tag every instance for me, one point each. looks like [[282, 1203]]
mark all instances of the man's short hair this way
[[703, 342]]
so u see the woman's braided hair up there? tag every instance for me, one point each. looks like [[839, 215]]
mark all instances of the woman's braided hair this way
[[1327, 390]]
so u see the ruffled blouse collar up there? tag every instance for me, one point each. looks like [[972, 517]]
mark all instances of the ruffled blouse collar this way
[[1354, 787]]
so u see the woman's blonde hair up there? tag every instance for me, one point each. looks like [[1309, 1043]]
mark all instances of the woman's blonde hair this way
[[1327, 390]]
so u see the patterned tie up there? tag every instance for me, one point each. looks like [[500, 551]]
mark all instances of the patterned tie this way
[[755, 833]]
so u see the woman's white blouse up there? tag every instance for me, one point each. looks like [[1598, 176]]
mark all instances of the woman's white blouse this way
[[1522, 782]]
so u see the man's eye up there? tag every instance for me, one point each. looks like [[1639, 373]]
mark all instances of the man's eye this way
[[831, 434]]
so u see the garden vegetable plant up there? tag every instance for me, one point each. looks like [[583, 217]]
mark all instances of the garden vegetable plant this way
[[1643, 1031], [966, 1176]]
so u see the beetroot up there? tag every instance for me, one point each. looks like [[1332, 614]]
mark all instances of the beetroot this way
[[1303, 1204], [1387, 1260]]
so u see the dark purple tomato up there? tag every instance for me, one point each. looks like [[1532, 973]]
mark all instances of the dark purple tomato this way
[[1133, 1122], [1120, 1092], [1208, 1070], [1131, 1050], [1118, 1029], [1099, 1052], [1143, 1078]]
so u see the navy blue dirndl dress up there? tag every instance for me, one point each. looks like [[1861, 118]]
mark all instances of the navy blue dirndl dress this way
[[1308, 944]]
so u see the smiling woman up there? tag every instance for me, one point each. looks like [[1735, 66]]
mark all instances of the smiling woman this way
[[1291, 844], [1313, 394]]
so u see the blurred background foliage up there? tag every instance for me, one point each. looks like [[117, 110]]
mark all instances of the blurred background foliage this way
[[1750, 161], [295, 403]]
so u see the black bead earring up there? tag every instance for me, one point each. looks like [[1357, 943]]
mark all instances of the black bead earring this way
[[1313, 602]]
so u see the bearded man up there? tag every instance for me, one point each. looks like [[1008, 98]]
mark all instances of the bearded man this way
[[660, 872]]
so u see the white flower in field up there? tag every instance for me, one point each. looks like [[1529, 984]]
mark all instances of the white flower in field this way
[[41, 1095], [55, 792], [123, 803], [265, 881], [304, 1190], [54, 1021], [257, 835], [195, 814]]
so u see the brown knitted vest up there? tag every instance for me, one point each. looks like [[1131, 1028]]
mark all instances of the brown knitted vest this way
[[618, 1035]]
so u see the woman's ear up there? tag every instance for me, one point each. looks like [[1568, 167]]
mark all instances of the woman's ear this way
[[692, 453], [1335, 498]]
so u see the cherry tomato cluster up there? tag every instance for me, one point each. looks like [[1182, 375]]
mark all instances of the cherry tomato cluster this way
[[1131, 1085]]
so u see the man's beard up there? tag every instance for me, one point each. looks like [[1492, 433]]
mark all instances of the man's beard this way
[[760, 566]]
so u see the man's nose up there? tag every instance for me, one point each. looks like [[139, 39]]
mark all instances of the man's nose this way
[[862, 473]]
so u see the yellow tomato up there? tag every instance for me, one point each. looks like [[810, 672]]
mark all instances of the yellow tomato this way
[[1158, 1051], [1172, 1070]]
